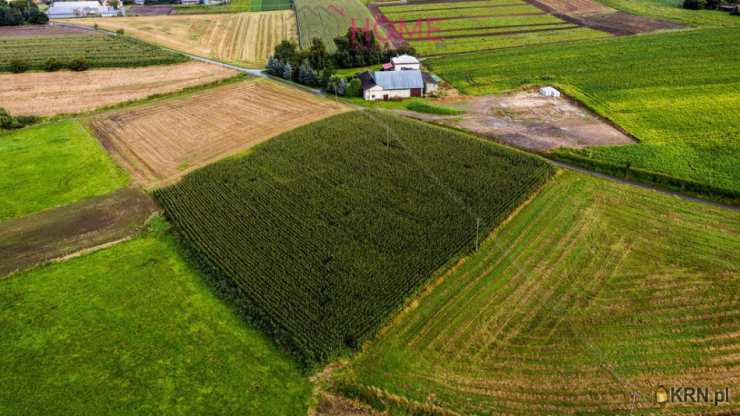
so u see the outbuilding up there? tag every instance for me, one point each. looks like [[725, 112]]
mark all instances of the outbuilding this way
[[549, 92], [387, 85], [67, 9]]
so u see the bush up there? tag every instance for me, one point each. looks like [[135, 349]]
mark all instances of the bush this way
[[17, 66], [354, 89], [695, 4], [8, 122], [52, 65], [120, 31], [78, 64]]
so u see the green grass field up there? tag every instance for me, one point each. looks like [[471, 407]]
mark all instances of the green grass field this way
[[327, 19], [133, 330], [235, 6], [594, 291], [53, 164], [99, 51], [480, 25], [673, 10], [681, 103], [327, 229]]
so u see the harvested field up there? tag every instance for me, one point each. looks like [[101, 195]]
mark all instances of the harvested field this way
[[46, 93], [40, 30], [28, 241], [572, 6], [209, 125], [246, 38], [155, 10], [591, 297], [529, 121]]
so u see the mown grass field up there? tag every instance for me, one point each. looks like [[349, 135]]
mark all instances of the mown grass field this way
[[241, 38], [53, 164], [681, 103], [134, 330], [325, 230], [100, 51], [327, 19], [673, 10], [594, 294], [454, 27]]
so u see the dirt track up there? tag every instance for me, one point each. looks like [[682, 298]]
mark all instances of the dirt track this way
[[160, 142], [47, 93], [37, 238], [40, 30]]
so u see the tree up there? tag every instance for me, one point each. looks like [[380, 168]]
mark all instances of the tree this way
[[78, 64], [354, 89], [342, 87], [286, 52], [288, 71], [695, 4], [318, 57]]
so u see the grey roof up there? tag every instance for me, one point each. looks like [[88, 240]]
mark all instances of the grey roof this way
[[367, 80], [399, 80]]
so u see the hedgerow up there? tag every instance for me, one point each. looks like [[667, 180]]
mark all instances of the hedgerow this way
[[322, 233]]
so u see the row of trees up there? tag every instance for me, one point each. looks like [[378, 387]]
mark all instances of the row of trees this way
[[9, 122], [707, 4], [316, 67], [21, 12]]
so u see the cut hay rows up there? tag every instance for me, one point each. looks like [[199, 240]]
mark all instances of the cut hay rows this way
[[591, 298], [241, 37], [210, 125]]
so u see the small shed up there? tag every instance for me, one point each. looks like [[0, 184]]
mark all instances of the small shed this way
[[405, 62], [549, 92]]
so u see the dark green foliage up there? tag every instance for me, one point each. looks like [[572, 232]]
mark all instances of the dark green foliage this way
[[52, 65], [18, 65], [100, 51], [325, 231], [360, 48], [8, 122], [21, 12], [695, 4], [78, 64], [354, 89]]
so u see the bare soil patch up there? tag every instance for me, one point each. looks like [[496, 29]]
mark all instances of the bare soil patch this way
[[50, 93], [158, 10], [621, 23], [41, 30], [160, 142], [37, 238], [591, 14], [529, 121]]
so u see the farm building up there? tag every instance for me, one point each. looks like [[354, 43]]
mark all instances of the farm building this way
[[404, 62], [549, 92], [385, 85], [67, 9]]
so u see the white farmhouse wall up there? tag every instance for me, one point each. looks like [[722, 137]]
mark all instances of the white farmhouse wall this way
[[404, 67], [377, 93]]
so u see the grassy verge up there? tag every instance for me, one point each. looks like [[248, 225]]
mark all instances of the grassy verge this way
[[53, 164], [681, 103], [133, 329], [673, 10], [593, 288]]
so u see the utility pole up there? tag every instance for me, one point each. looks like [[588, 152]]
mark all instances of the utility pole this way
[[477, 233]]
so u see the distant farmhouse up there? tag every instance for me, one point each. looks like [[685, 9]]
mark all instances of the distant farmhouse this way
[[68, 9], [401, 78]]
